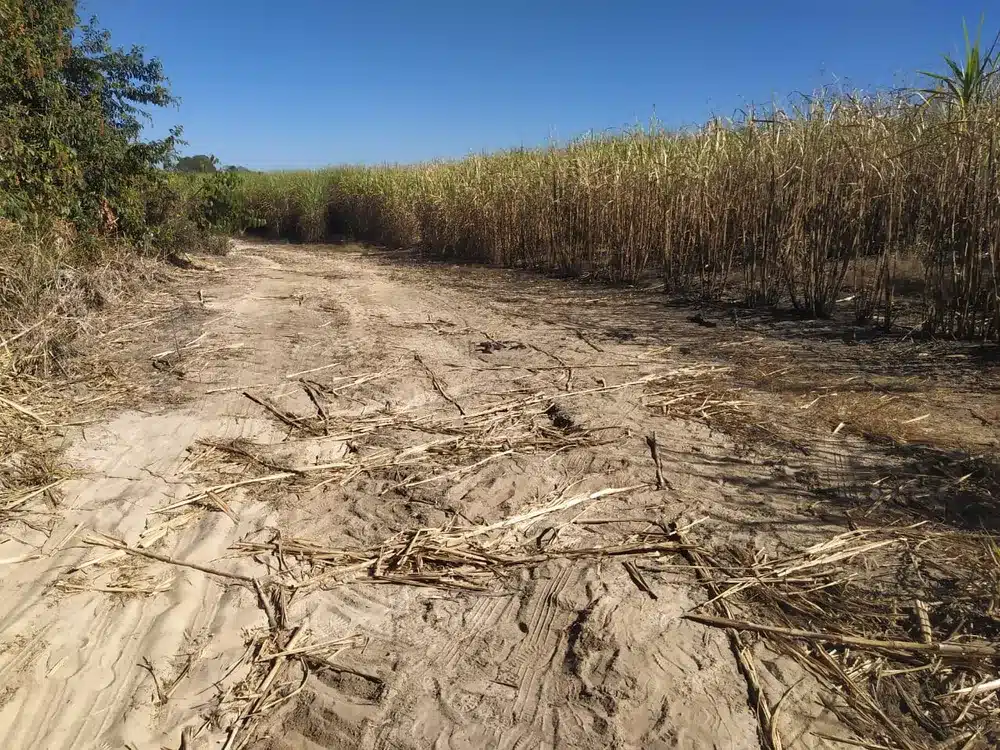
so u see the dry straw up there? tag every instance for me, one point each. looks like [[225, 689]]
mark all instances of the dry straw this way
[[788, 204], [899, 622]]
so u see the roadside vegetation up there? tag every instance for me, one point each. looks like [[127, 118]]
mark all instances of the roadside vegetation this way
[[785, 204], [85, 202], [80, 188]]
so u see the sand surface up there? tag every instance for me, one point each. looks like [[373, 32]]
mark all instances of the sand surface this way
[[102, 649]]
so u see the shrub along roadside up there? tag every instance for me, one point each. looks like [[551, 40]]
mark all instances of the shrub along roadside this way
[[82, 198], [80, 188], [70, 123]]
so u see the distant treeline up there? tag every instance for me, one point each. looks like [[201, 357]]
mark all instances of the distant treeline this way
[[203, 164]]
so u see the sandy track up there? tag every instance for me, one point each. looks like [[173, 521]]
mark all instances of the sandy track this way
[[567, 654]]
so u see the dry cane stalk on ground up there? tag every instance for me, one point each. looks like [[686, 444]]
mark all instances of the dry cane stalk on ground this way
[[466, 558], [478, 558], [858, 630], [477, 437]]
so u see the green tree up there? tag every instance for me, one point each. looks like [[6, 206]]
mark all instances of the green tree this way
[[200, 163], [71, 121]]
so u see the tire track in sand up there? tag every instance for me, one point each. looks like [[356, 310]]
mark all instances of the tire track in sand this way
[[529, 662]]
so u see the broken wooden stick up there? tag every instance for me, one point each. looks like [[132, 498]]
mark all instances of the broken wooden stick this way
[[263, 691], [314, 396], [767, 727], [945, 649], [105, 541], [655, 452], [290, 419], [438, 387]]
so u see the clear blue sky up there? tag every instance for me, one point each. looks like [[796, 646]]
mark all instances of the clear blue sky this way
[[306, 83]]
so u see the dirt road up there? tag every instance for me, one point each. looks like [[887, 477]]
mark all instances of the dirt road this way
[[442, 501]]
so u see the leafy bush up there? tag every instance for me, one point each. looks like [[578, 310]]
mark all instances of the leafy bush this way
[[70, 122]]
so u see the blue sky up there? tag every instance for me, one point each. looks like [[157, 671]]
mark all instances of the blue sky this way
[[306, 83]]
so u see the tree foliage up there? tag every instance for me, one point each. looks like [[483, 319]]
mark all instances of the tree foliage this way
[[71, 112], [200, 163]]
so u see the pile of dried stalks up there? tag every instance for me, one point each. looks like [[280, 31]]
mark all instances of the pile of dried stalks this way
[[902, 623], [471, 558], [467, 557], [410, 449], [30, 470], [248, 704]]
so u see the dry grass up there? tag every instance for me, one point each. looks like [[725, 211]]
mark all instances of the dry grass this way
[[900, 622], [49, 284], [837, 190]]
